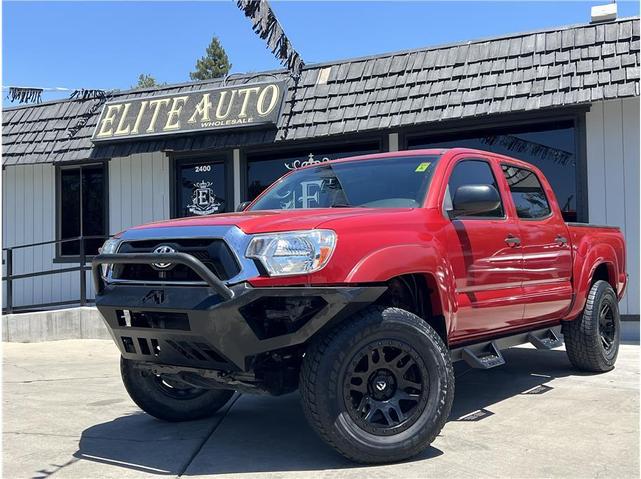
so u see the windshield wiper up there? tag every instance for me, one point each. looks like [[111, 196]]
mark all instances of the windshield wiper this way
[[340, 205]]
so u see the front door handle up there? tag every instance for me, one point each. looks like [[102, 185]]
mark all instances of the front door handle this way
[[561, 240], [513, 240]]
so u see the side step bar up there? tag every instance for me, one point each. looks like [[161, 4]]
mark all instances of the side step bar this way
[[487, 354], [484, 358], [547, 340]]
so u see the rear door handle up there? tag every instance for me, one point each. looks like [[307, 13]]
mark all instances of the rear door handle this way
[[561, 239], [513, 240]]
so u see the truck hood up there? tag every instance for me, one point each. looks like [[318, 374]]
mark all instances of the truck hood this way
[[252, 222]]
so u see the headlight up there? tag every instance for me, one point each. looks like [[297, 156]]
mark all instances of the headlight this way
[[108, 247], [295, 252]]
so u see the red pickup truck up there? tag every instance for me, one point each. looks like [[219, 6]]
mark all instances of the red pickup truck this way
[[360, 281]]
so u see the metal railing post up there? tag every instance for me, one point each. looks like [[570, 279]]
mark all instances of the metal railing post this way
[[9, 273], [83, 275]]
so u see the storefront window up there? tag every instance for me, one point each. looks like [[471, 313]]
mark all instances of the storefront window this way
[[200, 188], [264, 169], [82, 208], [549, 146]]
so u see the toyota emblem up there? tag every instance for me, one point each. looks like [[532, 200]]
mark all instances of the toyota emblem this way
[[162, 249]]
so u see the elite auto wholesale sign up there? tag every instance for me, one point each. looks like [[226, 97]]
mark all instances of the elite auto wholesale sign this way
[[191, 112]]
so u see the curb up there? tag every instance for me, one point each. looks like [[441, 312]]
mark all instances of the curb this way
[[630, 332], [72, 323]]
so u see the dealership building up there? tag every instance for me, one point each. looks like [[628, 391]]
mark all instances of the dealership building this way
[[565, 99]]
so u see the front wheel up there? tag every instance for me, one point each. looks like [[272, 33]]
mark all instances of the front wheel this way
[[592, 340], [379, 387], [167, 400]]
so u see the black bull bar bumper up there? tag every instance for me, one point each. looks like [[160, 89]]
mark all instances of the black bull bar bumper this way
[[214, 326]]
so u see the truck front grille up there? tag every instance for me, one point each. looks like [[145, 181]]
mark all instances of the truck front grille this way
[[214, 253]]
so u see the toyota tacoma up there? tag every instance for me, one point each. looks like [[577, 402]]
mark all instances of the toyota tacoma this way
[[359, 282]]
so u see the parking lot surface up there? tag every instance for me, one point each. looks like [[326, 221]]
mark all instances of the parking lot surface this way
[[67, 415]]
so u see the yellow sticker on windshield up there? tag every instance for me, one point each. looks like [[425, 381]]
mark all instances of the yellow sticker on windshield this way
[[422, 167]]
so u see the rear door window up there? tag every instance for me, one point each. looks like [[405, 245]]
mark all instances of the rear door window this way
[[527, 193]]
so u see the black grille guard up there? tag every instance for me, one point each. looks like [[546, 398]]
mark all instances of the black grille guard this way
[[150, 258]]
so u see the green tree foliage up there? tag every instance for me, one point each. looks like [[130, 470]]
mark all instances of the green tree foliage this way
[[214, 64], [147, 81]]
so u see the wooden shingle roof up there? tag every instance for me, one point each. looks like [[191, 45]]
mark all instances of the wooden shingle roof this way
[[553, 68]]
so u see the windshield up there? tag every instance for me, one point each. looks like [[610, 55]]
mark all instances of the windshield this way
[[378, 183]]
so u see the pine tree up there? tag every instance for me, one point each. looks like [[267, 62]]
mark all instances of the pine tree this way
[[214, 64], [146, 81]]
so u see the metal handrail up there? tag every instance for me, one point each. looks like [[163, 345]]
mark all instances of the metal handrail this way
[[150, 258], [66, 240], [9, 277]]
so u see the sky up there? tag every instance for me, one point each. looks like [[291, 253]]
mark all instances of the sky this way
[[107, 45]]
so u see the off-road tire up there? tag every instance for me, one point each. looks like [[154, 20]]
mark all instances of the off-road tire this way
[[323, 375], [145, 390], [583, 341]]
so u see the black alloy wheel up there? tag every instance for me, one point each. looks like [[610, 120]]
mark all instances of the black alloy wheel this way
[[379, 386], [386, 387], [607, 327]]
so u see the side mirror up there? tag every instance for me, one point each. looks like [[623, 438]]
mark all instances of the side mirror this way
[[243, 205], [475, 199]]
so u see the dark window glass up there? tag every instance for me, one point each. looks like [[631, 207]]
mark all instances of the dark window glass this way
[[201, 188], [527, 193], [378, 183], [549, 146], [82, 208], [263, 170], [471, 172]]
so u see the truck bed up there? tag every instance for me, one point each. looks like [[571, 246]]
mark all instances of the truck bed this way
[[590, 243]]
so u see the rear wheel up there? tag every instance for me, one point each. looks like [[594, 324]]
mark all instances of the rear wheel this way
[[169, 400], [379, 387], [592, 340]]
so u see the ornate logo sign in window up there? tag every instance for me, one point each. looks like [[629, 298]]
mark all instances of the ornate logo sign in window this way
[[310, 161], [203, 199], [200, 188], [263, 169], [189, 112]]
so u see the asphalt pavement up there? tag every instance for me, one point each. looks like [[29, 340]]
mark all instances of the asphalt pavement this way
[[67, 415]]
